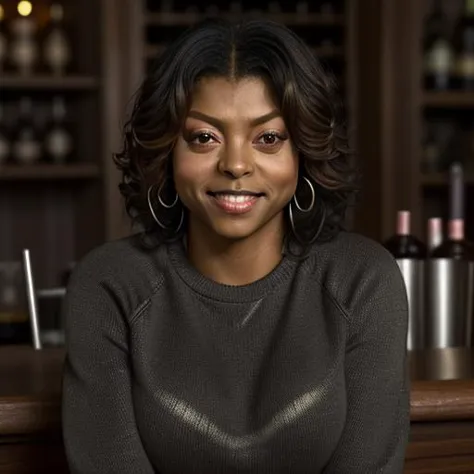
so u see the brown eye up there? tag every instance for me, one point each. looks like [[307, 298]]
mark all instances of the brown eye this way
[[203, 138], [270, 138]]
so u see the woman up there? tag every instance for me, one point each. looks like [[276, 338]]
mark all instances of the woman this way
[[243, 330]]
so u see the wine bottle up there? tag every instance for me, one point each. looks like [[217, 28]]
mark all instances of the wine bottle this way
[[26, 148], [23, 48], [56, 46], [58, 142], [403, 244], [438, 54], [464, 48], [435, 233], [4, 139], [455, 246]]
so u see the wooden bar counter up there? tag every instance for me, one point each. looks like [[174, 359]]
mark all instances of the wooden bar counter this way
[[442, 412]]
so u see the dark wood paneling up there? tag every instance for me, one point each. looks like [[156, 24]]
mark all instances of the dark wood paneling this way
[[368, 117], [38, 217]]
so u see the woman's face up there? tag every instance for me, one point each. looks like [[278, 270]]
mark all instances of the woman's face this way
[[235, 168]]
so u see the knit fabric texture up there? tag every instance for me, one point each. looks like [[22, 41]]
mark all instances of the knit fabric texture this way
[[302, 371]]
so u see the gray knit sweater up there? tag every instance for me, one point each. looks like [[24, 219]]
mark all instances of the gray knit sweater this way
[[303, 371]]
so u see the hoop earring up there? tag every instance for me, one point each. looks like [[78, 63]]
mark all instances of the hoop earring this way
[[318, 231], [313, 197], [160, 200], [163, 226]]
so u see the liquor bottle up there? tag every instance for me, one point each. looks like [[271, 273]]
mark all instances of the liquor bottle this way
[[404, 245], [435, 233], [3, 39], [438, 54], [58, 142], [56, 45], [26, 148], [4, 139], [455, 246], [464, 48], [23, 48]]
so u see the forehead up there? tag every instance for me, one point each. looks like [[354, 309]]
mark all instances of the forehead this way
[[218, 96]]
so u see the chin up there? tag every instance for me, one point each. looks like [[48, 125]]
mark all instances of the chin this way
[[235, 231]]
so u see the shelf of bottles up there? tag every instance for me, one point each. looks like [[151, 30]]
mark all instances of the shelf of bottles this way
[[447, 104], [448, 80], [51, 187], [165, 19], [40, 103]]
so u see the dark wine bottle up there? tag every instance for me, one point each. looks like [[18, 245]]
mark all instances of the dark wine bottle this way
[[57, 52], [403, 244], [26, 146], [438, 54], [464, 48], [455, 246], [58, 142]]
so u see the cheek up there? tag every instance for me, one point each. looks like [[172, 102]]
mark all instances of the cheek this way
[[190, 170], [285, 176]]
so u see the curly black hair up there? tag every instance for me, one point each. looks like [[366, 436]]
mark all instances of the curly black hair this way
[[305, 92]]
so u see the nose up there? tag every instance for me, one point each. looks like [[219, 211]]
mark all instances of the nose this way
[[236, 161]]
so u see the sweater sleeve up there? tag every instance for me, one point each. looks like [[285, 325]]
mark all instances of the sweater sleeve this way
[[99, 429], [377, 422]]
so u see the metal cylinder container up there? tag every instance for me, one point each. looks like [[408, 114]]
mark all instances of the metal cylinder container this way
[[413, 275], [449, 293]]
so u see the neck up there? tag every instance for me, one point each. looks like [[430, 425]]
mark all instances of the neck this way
[[235, 262]]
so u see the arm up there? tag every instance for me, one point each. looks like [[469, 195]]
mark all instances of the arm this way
[[377, 424], [99, 427]]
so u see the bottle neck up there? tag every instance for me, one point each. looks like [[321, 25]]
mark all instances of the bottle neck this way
[[435, 232], [403, 223], [456, 229]]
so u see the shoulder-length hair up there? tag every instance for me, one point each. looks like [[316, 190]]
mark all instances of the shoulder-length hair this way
[[305, 92]]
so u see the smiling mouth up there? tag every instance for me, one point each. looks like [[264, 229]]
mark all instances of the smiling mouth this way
[[235, 202]]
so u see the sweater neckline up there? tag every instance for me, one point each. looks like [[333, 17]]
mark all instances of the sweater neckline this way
[[228, 293]]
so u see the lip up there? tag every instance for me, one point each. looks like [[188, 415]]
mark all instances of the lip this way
[[232, 192], [235, 207]]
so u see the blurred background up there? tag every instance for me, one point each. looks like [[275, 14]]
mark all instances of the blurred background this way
[[69, 68]]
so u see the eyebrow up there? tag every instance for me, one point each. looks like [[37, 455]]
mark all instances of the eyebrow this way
[[221, 123]]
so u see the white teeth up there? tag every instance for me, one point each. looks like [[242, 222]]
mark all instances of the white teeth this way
[[233, 198]]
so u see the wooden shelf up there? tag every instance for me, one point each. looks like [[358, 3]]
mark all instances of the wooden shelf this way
[[49, 172], [290, 19], [441, 179], [153, 50], [449, 99], [44, 82]]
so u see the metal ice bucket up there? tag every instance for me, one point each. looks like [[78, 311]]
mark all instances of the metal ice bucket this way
[[449, 293], [413, 275]]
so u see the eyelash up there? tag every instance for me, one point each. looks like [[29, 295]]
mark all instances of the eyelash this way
[[279, 136]]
